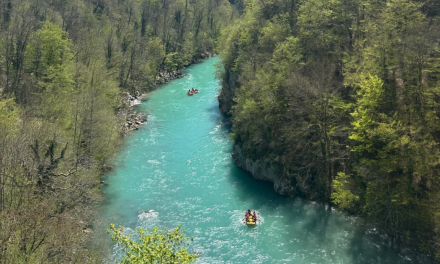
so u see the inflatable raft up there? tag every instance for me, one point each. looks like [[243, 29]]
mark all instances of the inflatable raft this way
[[250, 219], [251, 222]]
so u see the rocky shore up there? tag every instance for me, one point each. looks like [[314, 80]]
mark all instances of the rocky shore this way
[[130, 120], [166, 76], [133, 120]]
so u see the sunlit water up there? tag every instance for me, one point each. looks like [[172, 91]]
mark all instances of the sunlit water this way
[[179, 165]]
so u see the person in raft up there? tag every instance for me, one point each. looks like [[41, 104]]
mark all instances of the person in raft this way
[[249, 215], [192, 90], [255, 217]]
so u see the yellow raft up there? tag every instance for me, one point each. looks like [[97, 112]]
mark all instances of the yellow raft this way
[[250, 221]]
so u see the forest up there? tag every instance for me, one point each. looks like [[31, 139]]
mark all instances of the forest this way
[[64, 67], [344, 96]]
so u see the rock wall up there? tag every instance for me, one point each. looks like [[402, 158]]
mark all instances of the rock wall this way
[[227, 93], [202, 56], [260, 170], [263, 170]]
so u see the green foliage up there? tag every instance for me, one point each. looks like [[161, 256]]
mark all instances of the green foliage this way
[[366, 113], [9, 116], [50, 58], [49, 50], [287, 55], [173, 61], [64, 66], [325, 27], [342, 195], [157, 246], [323, 86]]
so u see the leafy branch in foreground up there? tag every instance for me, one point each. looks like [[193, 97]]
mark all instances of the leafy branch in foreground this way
[[157, 246]]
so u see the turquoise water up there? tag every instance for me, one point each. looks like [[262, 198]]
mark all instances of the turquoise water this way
[[179, 165]]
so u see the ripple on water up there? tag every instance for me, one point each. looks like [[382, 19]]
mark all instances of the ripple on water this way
[[148, 219]]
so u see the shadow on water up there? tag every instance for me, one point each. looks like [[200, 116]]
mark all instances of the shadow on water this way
[[219, 118], [253, 192], [318, 221], [371, 248]]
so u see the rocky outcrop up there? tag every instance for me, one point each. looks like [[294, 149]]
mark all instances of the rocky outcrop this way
[[202, 56], [166, 76], [128, 100], [264, 170], [128, 119], [227, 93], [260, 169], [133, 121]]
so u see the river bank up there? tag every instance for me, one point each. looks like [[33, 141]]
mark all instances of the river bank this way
[[131, 120]]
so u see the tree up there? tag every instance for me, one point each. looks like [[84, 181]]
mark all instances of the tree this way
[[63, 68], [343, 95], [50, 59], [157, 246], [342, 195]]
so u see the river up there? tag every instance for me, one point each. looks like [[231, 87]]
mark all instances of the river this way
[[179, 164]]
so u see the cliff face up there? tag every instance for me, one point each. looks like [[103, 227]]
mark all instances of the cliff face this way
[[263, 170], [260, 170], [228, 92]]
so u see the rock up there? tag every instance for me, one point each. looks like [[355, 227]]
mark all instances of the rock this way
[[87, 231], [132, 121], [227, 92], [264, 170]]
